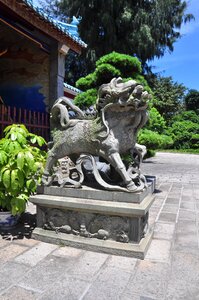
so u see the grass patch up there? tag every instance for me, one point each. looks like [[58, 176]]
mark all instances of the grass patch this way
[[188, 151]]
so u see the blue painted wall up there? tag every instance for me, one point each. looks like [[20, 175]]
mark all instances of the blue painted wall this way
[[23, 97]]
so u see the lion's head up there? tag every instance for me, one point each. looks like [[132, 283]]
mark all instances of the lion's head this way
[[121, 93]]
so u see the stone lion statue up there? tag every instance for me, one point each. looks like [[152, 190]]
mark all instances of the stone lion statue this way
[[111, 133]]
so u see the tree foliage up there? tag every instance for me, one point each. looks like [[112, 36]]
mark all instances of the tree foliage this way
[[107, 67], [192, 100], [185, 134], [188, 115], [156, 122], [145, 28], [168, 96], [153, 140]]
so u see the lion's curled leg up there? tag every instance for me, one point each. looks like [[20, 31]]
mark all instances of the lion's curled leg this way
[[116, 161]]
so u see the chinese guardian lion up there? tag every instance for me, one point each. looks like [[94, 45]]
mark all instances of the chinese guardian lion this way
[[121, 110]]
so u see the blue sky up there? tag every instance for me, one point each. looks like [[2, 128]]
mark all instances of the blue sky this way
[[183, 63]]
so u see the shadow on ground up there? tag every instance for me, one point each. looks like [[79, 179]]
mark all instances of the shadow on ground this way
[[23, 229]]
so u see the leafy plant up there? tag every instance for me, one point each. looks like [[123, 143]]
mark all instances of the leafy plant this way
[[183, 134], [153, 140], [156, 122], [21, 167], [188, 115], [192, 100]]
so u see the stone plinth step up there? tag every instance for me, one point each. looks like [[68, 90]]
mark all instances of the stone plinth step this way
[[137, 250], [102, 195], [93, 205]]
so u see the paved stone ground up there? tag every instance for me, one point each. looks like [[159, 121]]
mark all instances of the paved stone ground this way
[[34, 270]]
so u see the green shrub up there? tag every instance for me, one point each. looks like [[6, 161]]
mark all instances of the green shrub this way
[[106, 72], [21, 167], [182, 132], [86, 99], [195, 141], [156, 122], [153, 140], [88, 82], [126, 64], [188, 115]]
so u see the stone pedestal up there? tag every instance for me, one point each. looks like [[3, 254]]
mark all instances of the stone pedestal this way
[[110, 222]]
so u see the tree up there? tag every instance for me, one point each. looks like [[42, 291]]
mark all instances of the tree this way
[[107, 67], [156, 122], [192, 100], [168, 96], [145, 28]]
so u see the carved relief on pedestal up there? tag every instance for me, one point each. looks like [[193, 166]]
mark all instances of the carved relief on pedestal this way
[[90, 225]]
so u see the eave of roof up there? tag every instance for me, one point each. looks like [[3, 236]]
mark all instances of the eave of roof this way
[[72, 88], [34, 16]]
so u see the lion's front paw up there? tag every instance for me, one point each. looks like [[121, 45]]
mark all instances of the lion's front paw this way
[[131, 186]]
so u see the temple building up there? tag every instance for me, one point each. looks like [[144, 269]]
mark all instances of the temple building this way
[[33, 49]]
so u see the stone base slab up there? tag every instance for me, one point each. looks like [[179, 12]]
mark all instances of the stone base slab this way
[[93, 205], [108, 246], [101, 195], [87, 218]]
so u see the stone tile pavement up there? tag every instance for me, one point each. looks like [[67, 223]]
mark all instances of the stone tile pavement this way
[[35, 270]]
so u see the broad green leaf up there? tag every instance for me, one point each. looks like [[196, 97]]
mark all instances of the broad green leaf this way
[[13, 136], [31, 185], [40, 141], [20, 160], [20, 178], [21, 139], [33, 140], [5, 144], [6, 178], [7, 129], [29, 159], [14, 180], [2, 171], [3, 157], [18, 205], [13, 146]]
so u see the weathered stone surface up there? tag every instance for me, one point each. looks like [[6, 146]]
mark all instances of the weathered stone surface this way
[[184, 277], [120, 262], [119, 222], [149, 280], [19, 293], [92, 193], [10, 251], [10, 274], [187, 215], [164, 231], [159, 250], [87, 267], [108, 246], [120, 113], [93, 205], [167, 217], [3, 243], [170, 208], [173, 200], [67, 289], [112, 281], [68, 252], [35, 254], [46, 274]]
